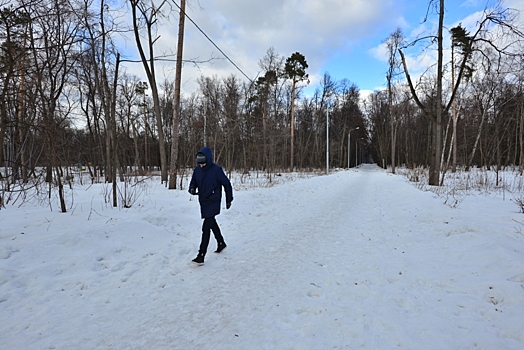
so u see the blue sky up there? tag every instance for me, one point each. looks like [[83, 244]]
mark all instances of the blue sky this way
[[359, 61], [341, 37]]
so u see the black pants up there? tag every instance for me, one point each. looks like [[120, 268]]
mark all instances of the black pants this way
[[210, 224]]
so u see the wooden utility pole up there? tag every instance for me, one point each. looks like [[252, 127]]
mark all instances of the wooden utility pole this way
[[176, 97]]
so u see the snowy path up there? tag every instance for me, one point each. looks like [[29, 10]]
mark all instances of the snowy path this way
[[357, 259]]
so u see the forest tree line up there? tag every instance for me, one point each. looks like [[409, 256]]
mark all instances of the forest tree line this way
[[65, 100]]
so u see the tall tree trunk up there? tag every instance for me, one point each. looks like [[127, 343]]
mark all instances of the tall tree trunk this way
[[3, 123], [63, 207], [435, 114], [114, 145], [477, 139], [454, 113], [160, 130], [392, 123], [149, 67], [434, 170], [102, 86], [21, 127], [521, 135]]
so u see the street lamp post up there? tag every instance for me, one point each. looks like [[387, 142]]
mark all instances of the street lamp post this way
[[356, 154], [327, 141], [349, 142]]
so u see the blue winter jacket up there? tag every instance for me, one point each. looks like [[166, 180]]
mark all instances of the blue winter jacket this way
[[209, 181]]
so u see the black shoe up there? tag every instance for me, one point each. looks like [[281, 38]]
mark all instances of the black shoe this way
[[221, 246], [199, 260]]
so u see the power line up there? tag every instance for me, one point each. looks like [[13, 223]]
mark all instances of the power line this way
[[211, 41]]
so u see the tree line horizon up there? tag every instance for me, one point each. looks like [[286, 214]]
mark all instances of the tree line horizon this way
[[60, 67]]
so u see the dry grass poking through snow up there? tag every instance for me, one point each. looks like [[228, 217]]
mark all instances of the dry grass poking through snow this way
[[508, 182]]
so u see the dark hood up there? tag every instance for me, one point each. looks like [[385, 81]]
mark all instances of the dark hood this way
[[208, 153]]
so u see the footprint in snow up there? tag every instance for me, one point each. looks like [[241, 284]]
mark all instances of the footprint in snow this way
[[5, 253], [517, 278]]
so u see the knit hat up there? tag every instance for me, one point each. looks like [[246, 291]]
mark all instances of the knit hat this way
[[201, 158]]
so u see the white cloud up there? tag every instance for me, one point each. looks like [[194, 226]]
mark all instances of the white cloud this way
[[320, 30], [245, 30], [380, 52]]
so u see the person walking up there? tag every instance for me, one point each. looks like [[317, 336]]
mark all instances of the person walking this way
[[207, 181]]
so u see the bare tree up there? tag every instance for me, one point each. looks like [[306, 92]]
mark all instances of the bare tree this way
[[498, 16], [130, 86], [149, 13], [14, 23], [393, 43], [54, 34]]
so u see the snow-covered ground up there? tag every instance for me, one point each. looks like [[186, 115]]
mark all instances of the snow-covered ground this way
[[359, 259]]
